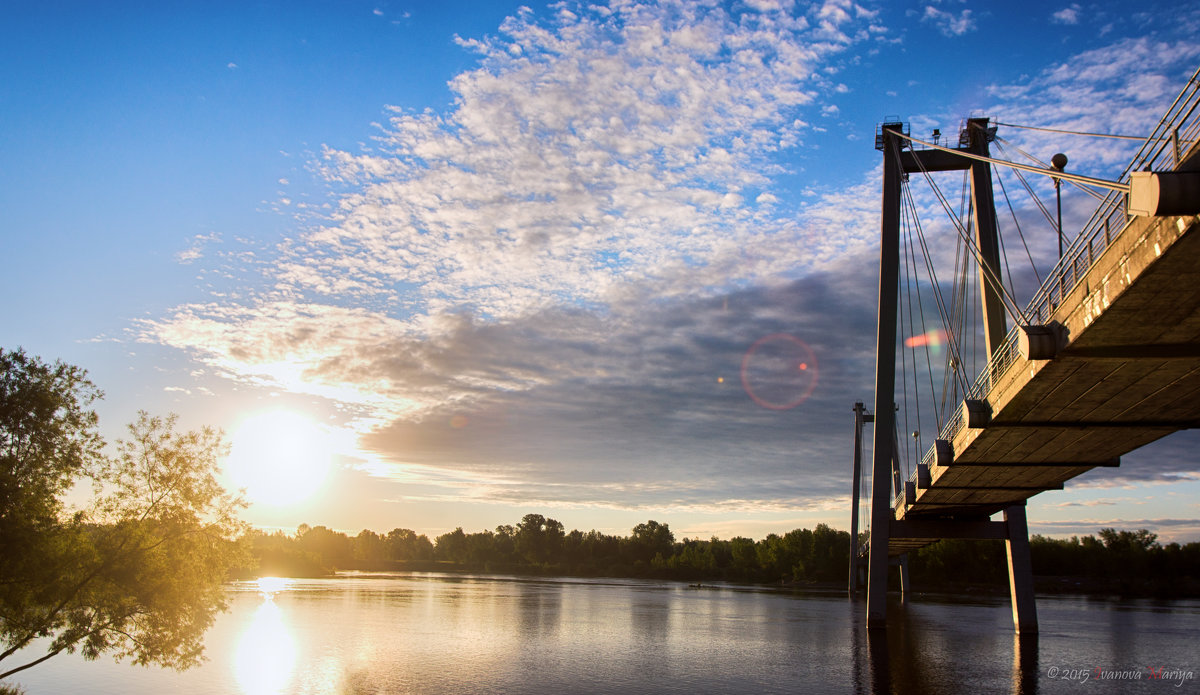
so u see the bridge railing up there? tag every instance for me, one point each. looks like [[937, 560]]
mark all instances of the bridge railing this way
[[1176, 136]]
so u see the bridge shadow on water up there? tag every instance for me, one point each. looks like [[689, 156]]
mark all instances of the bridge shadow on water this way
[[924, 656]]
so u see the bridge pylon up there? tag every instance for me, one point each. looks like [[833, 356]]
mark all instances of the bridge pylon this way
[[889, 536]]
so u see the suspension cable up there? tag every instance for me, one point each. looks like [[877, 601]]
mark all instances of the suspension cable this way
[[1033, 194], [950, 381], [905, 281], [910, 271], [947, 324], [1140, 138], [1011, 304], [1004, 254], [1116, 137], [1000, 142], [1088, 180], [1020, 234], [916, 226]]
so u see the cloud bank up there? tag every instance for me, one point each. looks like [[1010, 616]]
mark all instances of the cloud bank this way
[[551, 292]]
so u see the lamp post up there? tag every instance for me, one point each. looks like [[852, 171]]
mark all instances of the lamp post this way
[[1058, 163]]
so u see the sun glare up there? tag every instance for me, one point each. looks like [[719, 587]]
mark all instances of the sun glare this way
[[265, 656], [279, 458]]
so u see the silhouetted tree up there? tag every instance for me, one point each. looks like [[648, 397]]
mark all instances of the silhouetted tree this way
[[539, 539], [138, 571]]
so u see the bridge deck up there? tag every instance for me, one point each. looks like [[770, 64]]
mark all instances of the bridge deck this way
[[1129, 374]]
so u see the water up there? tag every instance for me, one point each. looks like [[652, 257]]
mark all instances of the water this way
[[437, 633]]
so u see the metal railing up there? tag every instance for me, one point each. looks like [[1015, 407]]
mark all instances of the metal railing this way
[[1176, 136]]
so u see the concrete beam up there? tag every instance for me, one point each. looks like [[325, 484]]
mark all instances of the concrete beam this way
[[1109, 463], [916, 161], [921, 529]]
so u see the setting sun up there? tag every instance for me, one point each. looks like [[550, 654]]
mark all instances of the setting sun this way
[[279, 458]]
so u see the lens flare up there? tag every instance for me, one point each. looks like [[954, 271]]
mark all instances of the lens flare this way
[[933, 338], [779, 371]]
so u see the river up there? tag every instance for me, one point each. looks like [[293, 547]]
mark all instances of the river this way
[[443, 633]]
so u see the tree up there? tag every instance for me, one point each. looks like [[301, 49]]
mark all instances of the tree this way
[[333, 547], [137, 572], [539, 538], [406, 546], [650, 539], [370, 549]]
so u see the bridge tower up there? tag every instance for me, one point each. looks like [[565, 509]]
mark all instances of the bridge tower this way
[[898, 161]]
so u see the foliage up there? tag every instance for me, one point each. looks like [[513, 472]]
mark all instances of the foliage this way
[[138, 572], [1130, 562], [48, 440], [539, 544]]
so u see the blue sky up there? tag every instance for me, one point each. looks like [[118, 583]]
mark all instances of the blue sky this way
[[508, 259]]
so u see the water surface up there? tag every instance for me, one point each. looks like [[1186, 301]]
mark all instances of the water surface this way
[[439, 633]]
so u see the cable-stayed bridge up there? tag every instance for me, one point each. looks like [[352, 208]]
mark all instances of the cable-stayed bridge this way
[[1104, 359]]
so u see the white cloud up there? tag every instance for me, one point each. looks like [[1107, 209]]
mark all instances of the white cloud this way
[[610, 151], [196, 250], [616, 162], [1067, 15], [583, 245], [948, 23], [1134, 79]]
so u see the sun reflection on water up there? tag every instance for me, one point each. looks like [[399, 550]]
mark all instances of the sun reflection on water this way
[[270, 586], [266, 653]]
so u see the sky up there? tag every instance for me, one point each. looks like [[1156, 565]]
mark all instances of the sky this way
[[441, 264]]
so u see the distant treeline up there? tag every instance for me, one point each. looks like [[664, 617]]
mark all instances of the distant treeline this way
[[1125, 562]]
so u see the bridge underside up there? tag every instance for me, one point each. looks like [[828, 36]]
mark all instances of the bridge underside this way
[[1127, 372]]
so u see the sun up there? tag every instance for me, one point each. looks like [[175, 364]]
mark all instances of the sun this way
[[280, 458]]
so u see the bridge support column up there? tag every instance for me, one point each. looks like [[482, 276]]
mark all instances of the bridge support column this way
[[858, 423], [885, 379], [1020, 571]]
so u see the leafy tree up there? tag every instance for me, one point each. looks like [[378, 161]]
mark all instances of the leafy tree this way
[[137, 572], [405, 545], [452, 546], [538, 538], [1128, 541], [650, 539], [370, 549], [279, 555], [333, 547]]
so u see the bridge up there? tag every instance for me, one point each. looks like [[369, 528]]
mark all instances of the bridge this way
[[1103, 360]]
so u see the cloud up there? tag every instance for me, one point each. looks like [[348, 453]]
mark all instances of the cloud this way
[[549, 291], [1086, 503], [196, 251], [231, 65], [1067, 15], [1168, 530], [1134, 79], [527, 193], [948, 23], [641, 406]]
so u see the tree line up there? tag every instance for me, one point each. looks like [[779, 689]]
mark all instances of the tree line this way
[[1121, 562], [541, 545]]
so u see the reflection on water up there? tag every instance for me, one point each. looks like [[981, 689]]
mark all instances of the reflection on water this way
[[269, 586], [1025, 664], [265, 656], [432, 633]]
